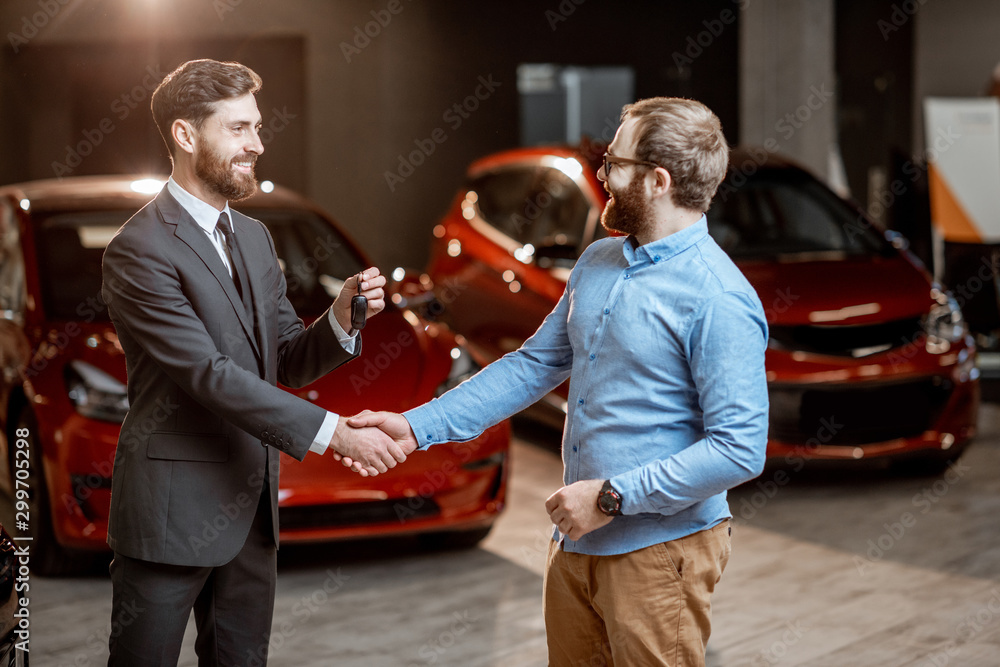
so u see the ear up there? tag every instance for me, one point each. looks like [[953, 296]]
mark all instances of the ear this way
[[184, 135], [661, 182]]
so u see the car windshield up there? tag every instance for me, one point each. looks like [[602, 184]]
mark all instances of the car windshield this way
[[313, 255], [786, 213], [533, 204]]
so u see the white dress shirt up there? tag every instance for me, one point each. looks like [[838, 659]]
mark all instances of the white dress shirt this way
[[207, 217]]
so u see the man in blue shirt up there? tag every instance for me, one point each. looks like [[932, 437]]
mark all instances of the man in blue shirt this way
[[663, 340]]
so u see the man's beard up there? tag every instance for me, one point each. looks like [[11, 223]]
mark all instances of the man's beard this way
[[218, 174], [628, 211]]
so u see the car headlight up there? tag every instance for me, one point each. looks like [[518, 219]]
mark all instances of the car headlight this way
[[463, 366], [94, 393], [944, 323]]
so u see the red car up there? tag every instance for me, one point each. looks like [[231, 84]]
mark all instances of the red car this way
[[63, 392], [867, 357]]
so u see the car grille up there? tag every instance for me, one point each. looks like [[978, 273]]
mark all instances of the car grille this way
[[850, 341], [856, 414], [354, 514]]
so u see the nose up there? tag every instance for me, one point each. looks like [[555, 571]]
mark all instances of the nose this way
[[601, 174], [256, 146]]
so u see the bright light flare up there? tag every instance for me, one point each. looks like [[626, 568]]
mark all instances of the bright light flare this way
[[569, 166], [147, 186]]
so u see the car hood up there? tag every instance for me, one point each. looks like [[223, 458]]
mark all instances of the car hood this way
[[851, 291]]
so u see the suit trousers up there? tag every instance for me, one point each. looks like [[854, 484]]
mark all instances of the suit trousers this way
[[233, 605], [648, 607]]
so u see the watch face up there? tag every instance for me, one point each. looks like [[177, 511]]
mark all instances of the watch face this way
[[608, 502]]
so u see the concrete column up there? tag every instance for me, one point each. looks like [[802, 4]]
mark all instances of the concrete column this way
[[787, 81]]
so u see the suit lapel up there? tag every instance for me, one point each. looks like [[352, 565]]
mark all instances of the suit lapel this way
[[188, 231]]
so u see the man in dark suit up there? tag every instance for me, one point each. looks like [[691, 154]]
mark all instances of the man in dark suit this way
[[197, 297]]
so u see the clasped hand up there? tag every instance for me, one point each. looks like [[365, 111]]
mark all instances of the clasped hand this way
[[372, 442]]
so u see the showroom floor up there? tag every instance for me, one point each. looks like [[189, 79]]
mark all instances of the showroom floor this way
[[830, 568]]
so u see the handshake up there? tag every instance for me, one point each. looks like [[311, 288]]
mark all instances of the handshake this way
[[372, 442]]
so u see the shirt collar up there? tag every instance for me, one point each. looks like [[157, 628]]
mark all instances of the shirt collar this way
[[665, 248], [206, 215]]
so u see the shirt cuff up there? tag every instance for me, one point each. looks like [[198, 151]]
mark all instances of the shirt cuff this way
[[322, 440], [629, 487], [347, 341]]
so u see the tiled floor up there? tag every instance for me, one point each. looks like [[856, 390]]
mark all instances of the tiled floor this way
[[838, 569]]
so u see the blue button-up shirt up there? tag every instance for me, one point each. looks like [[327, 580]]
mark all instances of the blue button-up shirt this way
[[664, 344]]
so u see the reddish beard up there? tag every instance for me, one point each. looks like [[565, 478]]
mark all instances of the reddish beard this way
[[218, 174], [628, 211]]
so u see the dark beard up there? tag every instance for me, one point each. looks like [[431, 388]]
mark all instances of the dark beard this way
[[628, 211], [219, 176]]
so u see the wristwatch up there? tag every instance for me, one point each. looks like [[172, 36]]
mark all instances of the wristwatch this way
[[609, 501]]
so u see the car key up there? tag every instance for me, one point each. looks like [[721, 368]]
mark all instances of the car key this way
[[359, 309]]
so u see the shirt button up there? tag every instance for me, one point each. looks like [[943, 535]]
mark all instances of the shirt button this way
[[580, 401], [593, 356], [429, 437], [574, 448], [607, 311], [627, 276], [656, 258]]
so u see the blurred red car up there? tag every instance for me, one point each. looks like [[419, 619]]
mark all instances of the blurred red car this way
[[64, 374], [867, 357]]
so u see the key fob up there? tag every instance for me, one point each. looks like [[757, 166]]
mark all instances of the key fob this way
[[359, 310]]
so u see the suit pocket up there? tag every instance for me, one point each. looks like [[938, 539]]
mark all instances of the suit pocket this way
[[188, 447]]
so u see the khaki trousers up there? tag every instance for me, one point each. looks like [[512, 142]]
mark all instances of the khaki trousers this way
[[648, 607]]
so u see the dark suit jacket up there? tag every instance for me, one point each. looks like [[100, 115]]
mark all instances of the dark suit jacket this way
[[202, 391]]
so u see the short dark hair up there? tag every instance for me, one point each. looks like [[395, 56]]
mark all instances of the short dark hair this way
[[191, 91], [685, 138]]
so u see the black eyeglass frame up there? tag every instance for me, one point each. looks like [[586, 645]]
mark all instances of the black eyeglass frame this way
[[614, 159]]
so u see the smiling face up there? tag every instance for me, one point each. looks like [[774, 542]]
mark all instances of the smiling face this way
[[629, 209], [227, 148]]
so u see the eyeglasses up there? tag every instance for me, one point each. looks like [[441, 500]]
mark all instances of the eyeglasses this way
[[613, 159]]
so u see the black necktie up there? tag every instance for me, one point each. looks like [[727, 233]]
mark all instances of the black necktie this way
[[236, 261]]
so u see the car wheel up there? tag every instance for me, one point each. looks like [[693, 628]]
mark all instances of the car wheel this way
[[454, 539], [48, 557]]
